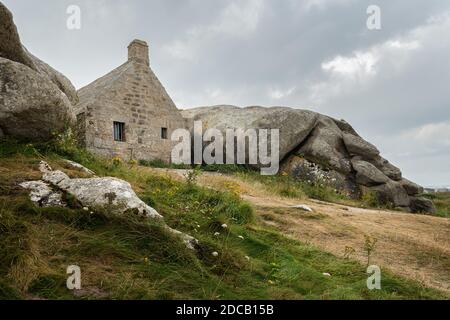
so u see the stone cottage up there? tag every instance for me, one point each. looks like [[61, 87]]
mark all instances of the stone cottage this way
[[128, 113]]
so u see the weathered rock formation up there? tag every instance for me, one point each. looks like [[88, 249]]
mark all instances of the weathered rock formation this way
[[319, 149], [35, 100], [110, 194]]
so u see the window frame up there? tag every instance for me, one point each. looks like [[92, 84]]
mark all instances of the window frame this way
[[164, 133], [119, 131]]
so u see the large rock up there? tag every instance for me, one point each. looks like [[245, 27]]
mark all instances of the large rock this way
[[326, 146], [345, 127], [313, 173], [56, 77], [357, 146], [422, 205], [367, 174], [318, 149], [43, 195], [111, 194], [31, 106], [294, 125], [10, 46], [411, 188], [392, 193], [35, 100], [387, 168]]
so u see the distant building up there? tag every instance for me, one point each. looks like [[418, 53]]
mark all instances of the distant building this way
[[128, 113], [437, 190]]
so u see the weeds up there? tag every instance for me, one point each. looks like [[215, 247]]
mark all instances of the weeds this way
[[369, 247], [191, 177]]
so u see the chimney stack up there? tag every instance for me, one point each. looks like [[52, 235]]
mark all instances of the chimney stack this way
[[138, 52]]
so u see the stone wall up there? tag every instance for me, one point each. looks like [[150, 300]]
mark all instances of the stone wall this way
[[136, 98]]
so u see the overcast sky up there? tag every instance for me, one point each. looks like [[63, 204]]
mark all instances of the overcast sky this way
[[392, 85]]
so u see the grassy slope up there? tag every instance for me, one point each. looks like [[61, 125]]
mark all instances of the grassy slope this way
[[442, 202], [128, 257]]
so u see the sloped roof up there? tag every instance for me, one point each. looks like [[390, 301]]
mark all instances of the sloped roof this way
[[94, 90]]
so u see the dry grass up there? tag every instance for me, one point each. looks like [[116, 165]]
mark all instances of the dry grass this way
[[413, 246], [124, 257]]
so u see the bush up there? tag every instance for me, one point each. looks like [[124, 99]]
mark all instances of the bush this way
[[162, 164], [370, 199]]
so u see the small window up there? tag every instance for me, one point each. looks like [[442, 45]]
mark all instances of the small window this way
[[119, 131], [164, 134]]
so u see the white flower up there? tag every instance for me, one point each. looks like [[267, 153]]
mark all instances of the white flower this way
[[215, 254], [216, 234], [224, 226], [86, 209]]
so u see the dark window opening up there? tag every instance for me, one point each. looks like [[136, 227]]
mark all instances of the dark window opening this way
[[119, 131], [164, 134]]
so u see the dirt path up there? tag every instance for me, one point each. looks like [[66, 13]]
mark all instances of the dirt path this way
[[414, 246]]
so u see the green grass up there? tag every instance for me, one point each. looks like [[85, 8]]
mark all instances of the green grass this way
[[128, 257], [442, 202]]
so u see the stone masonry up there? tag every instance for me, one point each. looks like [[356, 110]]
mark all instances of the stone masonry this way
[[133, 96]]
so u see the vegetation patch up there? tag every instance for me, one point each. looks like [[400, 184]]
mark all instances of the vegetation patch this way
[[130, 257]]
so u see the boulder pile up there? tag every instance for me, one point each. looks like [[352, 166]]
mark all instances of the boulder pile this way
[[319, 149]]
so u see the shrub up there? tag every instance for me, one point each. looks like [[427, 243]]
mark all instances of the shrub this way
[[370, 199]]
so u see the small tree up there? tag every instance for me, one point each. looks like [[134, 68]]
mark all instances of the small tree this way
[[369, 246]]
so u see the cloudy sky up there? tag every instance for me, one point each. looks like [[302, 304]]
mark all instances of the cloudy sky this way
[[392, 85]]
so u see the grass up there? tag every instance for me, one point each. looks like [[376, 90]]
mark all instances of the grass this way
[[442, 202], [288, 187], [127, 257]]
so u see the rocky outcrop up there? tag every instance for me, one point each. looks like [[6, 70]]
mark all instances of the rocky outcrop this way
[[326, 147], [43, 195], [111, 194], [411, 188], [79, 167], [367, 174], [319, 149], [31, 107], [422, 205], [357, 146], [293, 125], [35, 100], [10, 46], [60, 80]]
